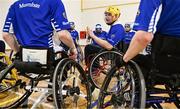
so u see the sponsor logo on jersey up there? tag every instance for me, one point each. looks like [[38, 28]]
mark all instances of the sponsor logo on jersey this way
[[32, 5]]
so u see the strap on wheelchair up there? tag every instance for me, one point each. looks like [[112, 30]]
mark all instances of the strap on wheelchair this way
[[31, 67], [166, 53]]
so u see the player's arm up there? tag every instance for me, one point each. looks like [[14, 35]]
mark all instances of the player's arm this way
[[7, 36]]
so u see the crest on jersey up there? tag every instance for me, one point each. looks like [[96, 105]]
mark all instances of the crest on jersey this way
[[113, 35]]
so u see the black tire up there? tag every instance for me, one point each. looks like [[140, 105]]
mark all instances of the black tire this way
[[60, 86], [17, 93], [130, 94], [100, 66]]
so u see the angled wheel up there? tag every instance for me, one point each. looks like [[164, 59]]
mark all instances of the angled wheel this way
[[69, 90], [15, 90], [100, 66], [123, 87]]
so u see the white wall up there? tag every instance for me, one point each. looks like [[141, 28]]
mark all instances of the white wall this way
[[100, 3], [73, 10]]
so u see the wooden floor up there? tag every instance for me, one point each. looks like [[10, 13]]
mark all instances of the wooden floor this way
[[49, 105]]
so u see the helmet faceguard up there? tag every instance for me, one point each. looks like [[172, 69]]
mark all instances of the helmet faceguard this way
[[72, 25], [127, 27], [98, 28]]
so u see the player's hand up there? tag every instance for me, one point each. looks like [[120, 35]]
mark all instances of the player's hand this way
[[120, 62], [90, 32], [73, 53]]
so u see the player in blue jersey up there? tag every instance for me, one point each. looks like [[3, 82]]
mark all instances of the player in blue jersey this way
[[158, 21], [99, 33], [74, 33], [32, 21], [113, 37], [128, 36]]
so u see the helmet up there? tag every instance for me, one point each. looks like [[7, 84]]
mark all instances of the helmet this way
[[113, 10], [71, 23], [127, 25], [98, 26]]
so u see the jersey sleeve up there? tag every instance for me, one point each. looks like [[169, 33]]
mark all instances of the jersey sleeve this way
[[59, 18], [117, 35], [147, 14], [9, 20]]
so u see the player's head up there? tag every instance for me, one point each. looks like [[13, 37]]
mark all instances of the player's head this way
[[72, 25], [127, 27], [112, 14], [98, 28]]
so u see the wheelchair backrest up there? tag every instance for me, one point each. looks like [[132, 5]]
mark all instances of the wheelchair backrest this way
[[165, 53], [34, 59]]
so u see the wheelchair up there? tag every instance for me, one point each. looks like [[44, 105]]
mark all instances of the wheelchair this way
[[98, 66], [125, 87], [33, 67], [102, 62]]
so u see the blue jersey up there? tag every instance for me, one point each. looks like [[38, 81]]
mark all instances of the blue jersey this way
[[128, 36], [74, 35], [115, 34], [101, 35], [161, 16], [32, 21]]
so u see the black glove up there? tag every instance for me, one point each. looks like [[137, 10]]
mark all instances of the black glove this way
[[120, 62]]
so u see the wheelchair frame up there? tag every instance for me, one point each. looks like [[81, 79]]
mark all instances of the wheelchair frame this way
[[35, 78]]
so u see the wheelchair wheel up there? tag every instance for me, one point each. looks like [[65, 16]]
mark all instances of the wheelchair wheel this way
[[123, 87], [69, 91], [100, 66], [15, 91]]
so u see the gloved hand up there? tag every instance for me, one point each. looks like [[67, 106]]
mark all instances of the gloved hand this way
[[120, 62]]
